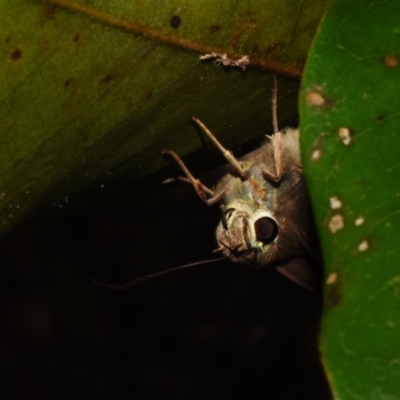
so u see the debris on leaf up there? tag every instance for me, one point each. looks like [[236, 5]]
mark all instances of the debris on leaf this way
[[223, 59]]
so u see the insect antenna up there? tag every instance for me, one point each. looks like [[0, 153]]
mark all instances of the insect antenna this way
[[142, 279]]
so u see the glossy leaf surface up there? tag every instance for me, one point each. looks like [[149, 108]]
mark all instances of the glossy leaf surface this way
[[90, 94], [350, 124]]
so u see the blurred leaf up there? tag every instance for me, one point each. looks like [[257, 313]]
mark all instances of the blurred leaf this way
[[91, 94], [350, 123]]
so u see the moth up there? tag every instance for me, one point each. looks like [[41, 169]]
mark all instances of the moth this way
[[266, 219]]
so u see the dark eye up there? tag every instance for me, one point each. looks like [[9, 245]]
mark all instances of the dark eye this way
[[266, 230], [225, 217]]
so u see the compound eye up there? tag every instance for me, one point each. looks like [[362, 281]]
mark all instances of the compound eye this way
[[225, 217], [266, 230]]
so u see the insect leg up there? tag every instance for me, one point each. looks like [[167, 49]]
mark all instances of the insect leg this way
[[202, 190], [275, 177], [226, 153]]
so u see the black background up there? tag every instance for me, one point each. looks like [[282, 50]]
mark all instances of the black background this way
[[217, 331]]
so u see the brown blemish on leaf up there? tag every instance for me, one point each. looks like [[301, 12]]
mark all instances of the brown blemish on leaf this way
[[108, 78], [51, 12], [67, 82], [214, 28], [76, 37], [16, 54], [391, 61], [7, 39], [380, 117], [270, 48], [333, 297]]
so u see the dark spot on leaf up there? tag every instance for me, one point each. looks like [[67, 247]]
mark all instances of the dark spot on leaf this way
[[16, 54], [107, 78], [148, 95], [51, 12], [380, 117], [67, 82], [391, 61], [333, 297], [176, 21], [333, 300], [7, 39], [271, 48], [256, 49], [76, 37], [214, 28]]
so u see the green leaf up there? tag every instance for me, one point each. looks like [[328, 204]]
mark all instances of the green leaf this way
[[350, 123], [90, 94]]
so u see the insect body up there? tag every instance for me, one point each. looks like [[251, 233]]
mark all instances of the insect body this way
[[267, 218], [266, 214]]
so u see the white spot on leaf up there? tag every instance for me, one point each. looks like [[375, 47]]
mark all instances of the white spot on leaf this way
[[359, 221], [316, 154], [344, 134], [336, 223], [315, 99], [363, 246], [335, 203], [332, 278]]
